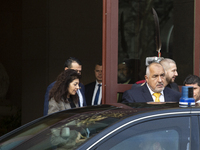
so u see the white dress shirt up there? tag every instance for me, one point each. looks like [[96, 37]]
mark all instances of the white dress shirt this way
[[80, 98], [161, 98], [198, 101]]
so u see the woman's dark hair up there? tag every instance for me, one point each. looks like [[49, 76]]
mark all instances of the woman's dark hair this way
[[60, 89]]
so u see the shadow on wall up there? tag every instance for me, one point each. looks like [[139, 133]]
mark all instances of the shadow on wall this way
[[10, 115]]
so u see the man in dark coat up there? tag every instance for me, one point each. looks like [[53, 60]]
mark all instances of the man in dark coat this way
[[93, 91], [193, 81], [155, 85], [170, 73]]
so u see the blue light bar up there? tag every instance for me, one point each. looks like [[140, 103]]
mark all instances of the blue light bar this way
[[187, 99]]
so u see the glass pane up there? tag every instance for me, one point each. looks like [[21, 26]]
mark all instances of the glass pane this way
[[170, 133], [136, 36], [63, 130], [152, 140]]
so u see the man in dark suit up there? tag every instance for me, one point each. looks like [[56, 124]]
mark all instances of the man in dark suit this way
[[71, 63], [93, 91], [194, 81], [154, 89], [170, 73]]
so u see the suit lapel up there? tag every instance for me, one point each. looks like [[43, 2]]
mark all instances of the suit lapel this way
[[146, 93], [166, 94], [82, 92], [91, 92]]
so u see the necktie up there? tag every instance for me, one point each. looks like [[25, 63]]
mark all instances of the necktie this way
[[157, 95], [97, 95]]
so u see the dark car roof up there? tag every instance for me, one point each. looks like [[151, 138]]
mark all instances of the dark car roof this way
[[138, 112], [140, 107], [134, 108], [105, 117]]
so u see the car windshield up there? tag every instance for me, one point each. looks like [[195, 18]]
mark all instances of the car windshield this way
[[65, 129]]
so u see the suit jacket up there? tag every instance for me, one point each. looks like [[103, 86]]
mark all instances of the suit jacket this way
[[173, 86], [46, 97], [89, 90], [61, 105], [142, 94]]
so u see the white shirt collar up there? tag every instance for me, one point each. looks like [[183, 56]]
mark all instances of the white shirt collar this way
[[80, 97], [198, 101], [98, 83], [152, 91]]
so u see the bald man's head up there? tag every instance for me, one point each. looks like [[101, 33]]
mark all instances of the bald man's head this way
[[155, 77], [170, 69]]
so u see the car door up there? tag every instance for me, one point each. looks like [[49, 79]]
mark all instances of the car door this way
[[163, 133]]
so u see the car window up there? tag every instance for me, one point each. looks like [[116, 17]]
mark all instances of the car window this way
[[30, 131], [66, 133], [160, 134], [150, 141]]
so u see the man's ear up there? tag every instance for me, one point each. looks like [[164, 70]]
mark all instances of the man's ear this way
[[146, 78], [66, 68]]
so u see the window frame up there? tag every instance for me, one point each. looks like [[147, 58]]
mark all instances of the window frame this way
[[110, 86], [106, 142]]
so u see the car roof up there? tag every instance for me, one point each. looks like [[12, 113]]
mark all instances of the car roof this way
[[138, 107], [110, 115], [140, 112], [128, 109]]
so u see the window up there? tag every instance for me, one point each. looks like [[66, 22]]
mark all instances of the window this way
[[167, 134], [151, 140], [64, 130], [136, 36]]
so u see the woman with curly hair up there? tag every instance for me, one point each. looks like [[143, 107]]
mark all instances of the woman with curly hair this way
[[63, 94]]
